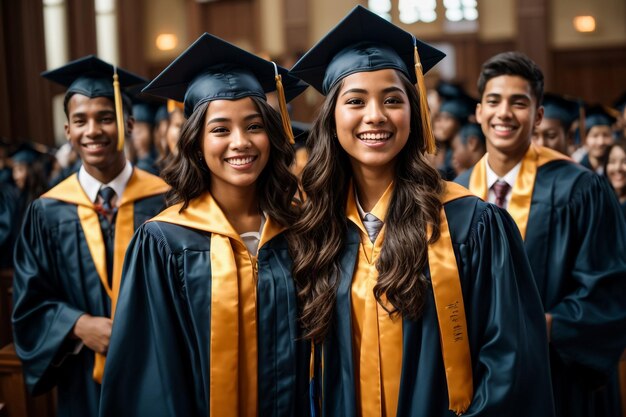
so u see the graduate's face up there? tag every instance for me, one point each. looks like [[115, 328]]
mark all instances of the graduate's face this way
[[445, 126], [462, 158], [507, 113], [142, 137], [92, 132], [598, 140], [235, 145], [550, 133], [616, 169], [177, 119], [373, 118]]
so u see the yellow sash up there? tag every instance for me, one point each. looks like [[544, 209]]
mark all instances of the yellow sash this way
[[140, 185], [522, 193], [233, 350], [379, 390]]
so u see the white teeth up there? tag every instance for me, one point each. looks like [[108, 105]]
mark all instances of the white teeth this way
[[498, 128], [94, 145], [240, 161], [374, 136]]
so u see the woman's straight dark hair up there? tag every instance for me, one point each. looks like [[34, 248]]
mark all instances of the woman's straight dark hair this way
[[319, 235], [189, 177]]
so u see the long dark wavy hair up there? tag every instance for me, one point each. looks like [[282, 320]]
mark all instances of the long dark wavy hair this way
[[189, 176], [320, 232]]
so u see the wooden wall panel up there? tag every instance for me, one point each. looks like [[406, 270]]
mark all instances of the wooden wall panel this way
[[596, 75], [234, 20], [25, 96], [131, 28], [81, 21]]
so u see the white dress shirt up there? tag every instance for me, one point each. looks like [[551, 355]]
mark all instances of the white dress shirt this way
[[91, 186]]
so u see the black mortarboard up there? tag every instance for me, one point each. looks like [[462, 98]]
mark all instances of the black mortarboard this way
[[597, 115], [301, 133], [161, 114], [25, 156], [92, 77], [448, 90], [471, 129], [460, 108], [363, 41], [213, 69], [560, 108]]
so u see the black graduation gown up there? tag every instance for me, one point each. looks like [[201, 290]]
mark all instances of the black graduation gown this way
[[55, 283], [158, 362], [576, 241], [9, 199], [505, 323]]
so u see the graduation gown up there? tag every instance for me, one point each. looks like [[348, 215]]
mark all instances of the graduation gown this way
[[575, 238], [8, 223], [202, 327], [503, 320], [59, 261]]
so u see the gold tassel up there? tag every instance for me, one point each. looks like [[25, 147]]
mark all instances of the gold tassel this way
[[119, 111], [173, 105], [427, 131], [282, 103]]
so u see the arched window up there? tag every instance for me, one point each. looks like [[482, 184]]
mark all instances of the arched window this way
[[412, 11]]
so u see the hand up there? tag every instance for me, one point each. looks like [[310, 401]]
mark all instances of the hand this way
[[95, 332], [548, 325]]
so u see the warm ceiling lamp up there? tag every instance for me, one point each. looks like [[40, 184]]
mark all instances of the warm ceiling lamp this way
[[166, 41], [585, 24]]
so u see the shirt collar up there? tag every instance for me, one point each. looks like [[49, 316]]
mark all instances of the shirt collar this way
[[91, 186], [380, 209], [509, 177]]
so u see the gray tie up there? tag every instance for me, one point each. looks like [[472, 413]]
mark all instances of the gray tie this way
[[372, 226]]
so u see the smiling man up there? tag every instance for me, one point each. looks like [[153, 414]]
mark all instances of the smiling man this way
[[69, 255], [573, 231]]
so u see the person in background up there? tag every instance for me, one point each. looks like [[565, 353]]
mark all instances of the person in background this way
[[453, 113], [572, 226], [598, 137], [176, 121], [615, 170], [69, 253], [554, 130], [143, 140], [418, 295], [468, 147], [218, 333], [161, 121]]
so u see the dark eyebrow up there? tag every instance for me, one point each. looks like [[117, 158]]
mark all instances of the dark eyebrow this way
[[392, 89], [98, 114], [226, 119]]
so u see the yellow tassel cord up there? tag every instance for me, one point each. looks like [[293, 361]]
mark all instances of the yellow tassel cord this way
[[119, 112], [173, 105], [427, 131], [282, 103]]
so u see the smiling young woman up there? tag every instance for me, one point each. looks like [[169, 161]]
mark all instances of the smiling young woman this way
[[408, 284], [216, 263]]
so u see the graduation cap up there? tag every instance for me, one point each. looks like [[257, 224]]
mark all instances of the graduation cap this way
[[471, 129], [460, 108], [363, 41], [161, 114], [92, 77], [560, 108], [301, 133], [145, 107], [597, 115], [448, 90], [213, 69], [25, 156]]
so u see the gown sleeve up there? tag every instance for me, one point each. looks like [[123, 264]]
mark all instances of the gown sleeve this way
[[589, 323], [505, 319], [42, 317], [148, 370]]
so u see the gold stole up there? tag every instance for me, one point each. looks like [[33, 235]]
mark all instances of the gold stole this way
[[522, 193], [381, 337], [140, 185], [233, 350]]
